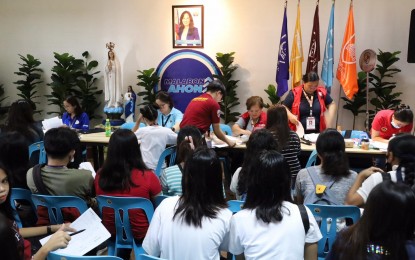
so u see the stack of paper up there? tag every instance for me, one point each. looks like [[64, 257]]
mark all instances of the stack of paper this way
[[51, 123]]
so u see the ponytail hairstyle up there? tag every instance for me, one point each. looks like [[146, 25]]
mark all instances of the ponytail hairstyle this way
[[149, 112], [404, 114], [402, 147], [184, 150], [332, 150]]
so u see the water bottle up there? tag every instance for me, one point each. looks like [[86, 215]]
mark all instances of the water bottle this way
[[107, 128]]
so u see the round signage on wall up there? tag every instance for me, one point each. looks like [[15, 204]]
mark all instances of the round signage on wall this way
[[183, 75]]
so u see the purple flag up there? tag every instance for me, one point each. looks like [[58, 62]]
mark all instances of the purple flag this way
[[283, 59]]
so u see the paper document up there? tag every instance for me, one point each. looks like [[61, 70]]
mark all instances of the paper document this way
[[87, 166], [52, 123], [379, 145], [95, 233]]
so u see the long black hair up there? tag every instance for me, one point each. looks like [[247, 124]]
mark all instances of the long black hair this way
[[202, 188], [184, 150], [268, 186], [395, 202], [123, 156], [402, 147], [8, 241], [277, 123], [73, 101], [6, 207], [258, 141], [332, 150], [20, 119]]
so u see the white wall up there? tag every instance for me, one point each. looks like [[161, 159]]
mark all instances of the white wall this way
[[141, 30]]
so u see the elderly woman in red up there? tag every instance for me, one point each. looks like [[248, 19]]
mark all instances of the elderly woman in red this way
[[254, 118], [307, 104]]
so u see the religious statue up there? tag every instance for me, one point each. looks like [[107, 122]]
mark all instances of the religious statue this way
[[130, 98]]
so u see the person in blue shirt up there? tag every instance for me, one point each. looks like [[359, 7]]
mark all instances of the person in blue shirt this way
[[74, 117], [168, 116]]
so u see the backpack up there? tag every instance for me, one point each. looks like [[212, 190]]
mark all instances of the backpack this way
[[322, 193]]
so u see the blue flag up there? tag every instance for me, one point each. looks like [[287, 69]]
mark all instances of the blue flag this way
[[283, 59], [327, 69]]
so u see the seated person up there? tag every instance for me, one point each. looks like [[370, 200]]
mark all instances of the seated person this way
[[168, 116], [153, 137], [57, 178], [401, 155], [74, 117], [334, 169], [252, 119], [188, 139]]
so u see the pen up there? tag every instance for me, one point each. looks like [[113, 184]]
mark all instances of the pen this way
[[77, 232]]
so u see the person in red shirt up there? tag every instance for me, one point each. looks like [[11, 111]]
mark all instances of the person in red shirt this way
[[124, 174], [204, 111], [251, 120], [388, 123]]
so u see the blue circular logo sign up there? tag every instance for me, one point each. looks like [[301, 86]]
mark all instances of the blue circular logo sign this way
[[183, 75]]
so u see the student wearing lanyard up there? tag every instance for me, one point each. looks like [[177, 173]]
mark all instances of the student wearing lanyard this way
[[307, 104], [168, 116], [74, 117]]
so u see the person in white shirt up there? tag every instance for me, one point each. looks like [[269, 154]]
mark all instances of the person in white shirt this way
[[401, 155], [153, 137], [196, 224], [269, 226]]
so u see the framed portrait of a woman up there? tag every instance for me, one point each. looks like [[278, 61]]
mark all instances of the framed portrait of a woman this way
[[187, 25]]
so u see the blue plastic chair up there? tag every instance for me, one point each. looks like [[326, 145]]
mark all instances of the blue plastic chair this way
[[158, 199], [57, 256], [38, 147], [329, 233], [225, 128], [149, 257], [169, 151], [124, 237], [312, 159], [55, 204], [20, 194], [235, 205], [130, 125]]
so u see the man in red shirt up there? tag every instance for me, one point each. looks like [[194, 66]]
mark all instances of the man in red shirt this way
[[390, 122], [204, 111]]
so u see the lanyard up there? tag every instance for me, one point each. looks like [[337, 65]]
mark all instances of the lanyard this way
[[72, 121], [162, 121], [310, 101]]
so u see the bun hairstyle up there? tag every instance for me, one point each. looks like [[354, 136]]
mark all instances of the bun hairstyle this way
[[149, 112], [404, 114], [310, 77]]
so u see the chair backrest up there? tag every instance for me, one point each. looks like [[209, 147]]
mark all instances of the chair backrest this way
[[168, 151], [148, 257], [20, 194], [225, 128], [312, 159], [329, 230], [121, 205], [235, 205], [55, 204], [57, 256], [38, 147], [158, 199]]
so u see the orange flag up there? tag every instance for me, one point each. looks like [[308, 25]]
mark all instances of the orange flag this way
[[297, 58], [346, 71]]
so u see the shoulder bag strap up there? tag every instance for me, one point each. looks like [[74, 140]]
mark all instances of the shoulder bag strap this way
[[37, 178], [316, 180], [304, 217]]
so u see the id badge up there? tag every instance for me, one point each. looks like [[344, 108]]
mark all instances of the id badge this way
[[311, 123]]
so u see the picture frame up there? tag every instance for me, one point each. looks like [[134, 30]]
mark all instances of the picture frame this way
[[187, 19]]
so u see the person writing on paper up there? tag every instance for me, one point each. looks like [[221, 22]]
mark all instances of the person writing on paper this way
[[168, 116], [74, 117], [254, 118], [12, 242], [187, 30], [388, 123], [310, 105], [204, 111]]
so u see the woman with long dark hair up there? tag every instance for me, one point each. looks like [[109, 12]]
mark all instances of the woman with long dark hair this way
[[334, 168], [188, 139], [269, 226], [196, 224], [124, 174], [288, 141], [387, 237], [401, 155], [258, 141], [11, 237]]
